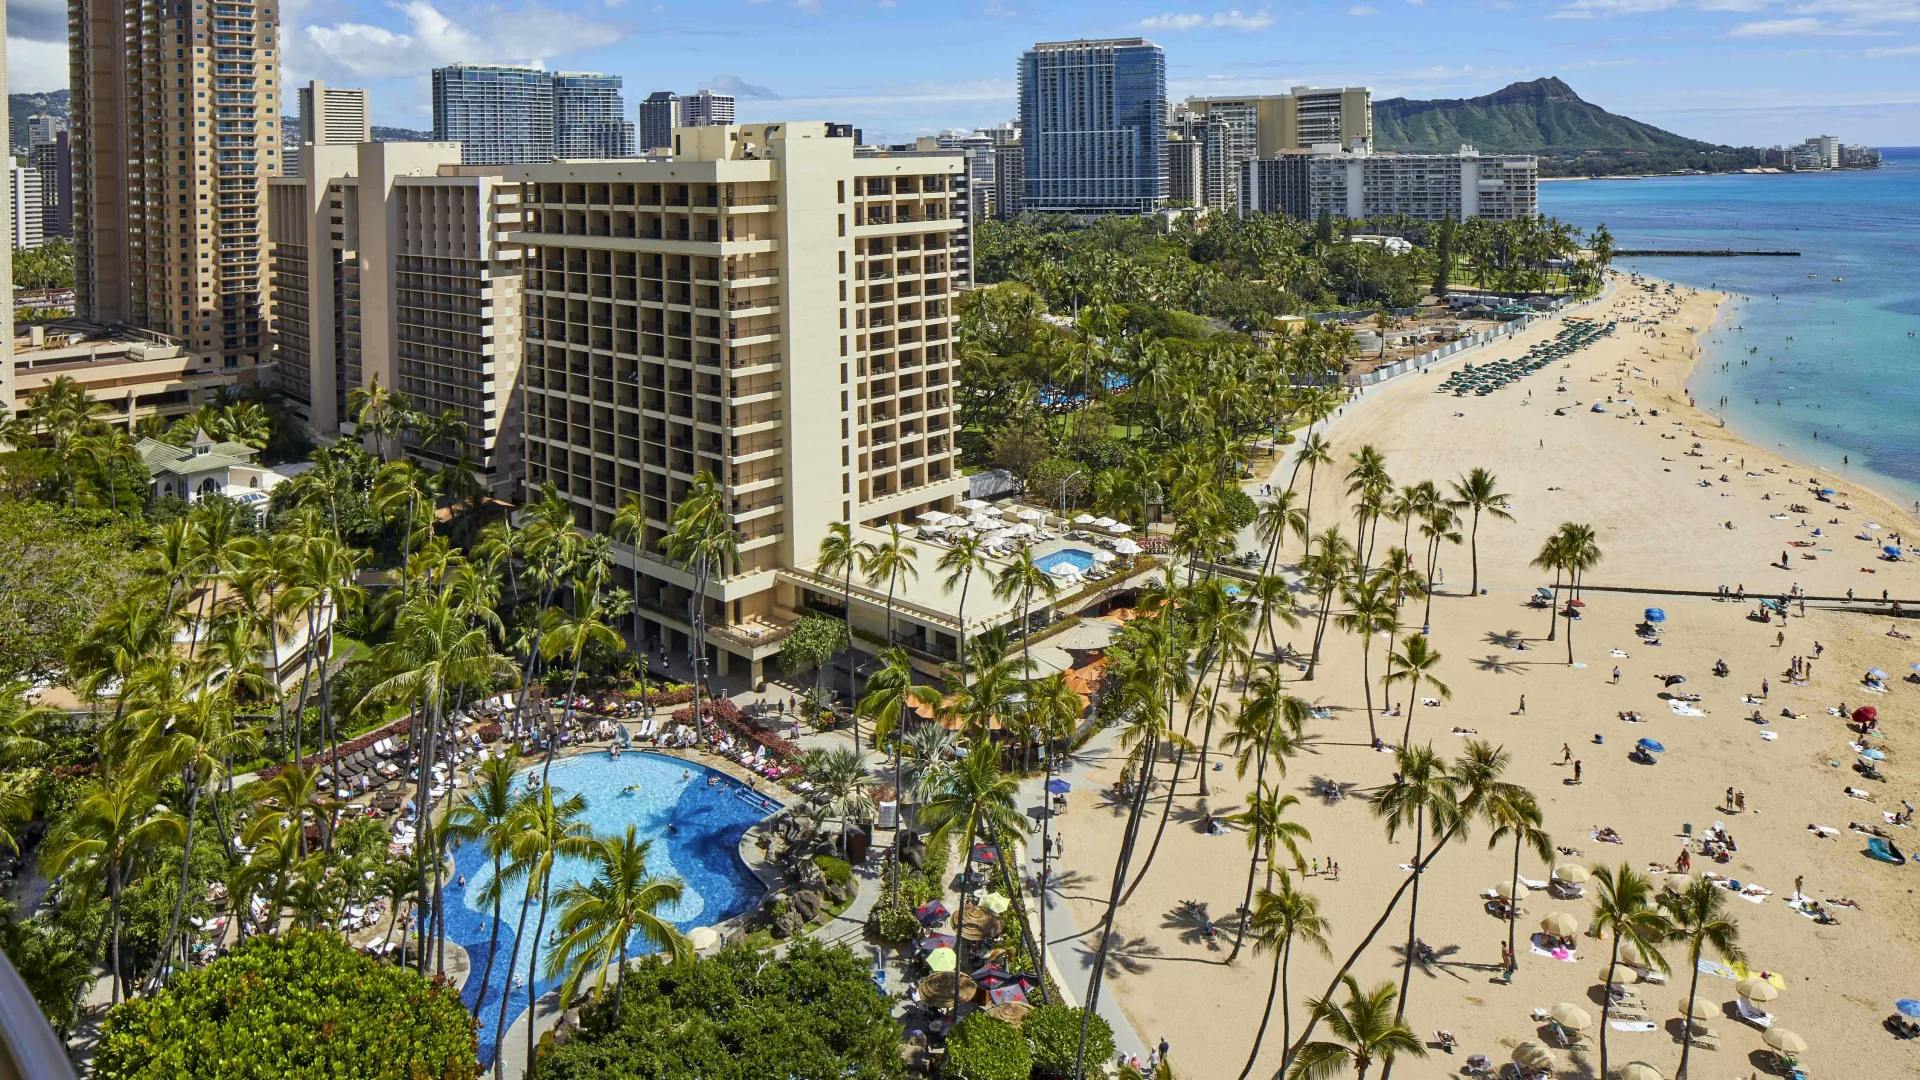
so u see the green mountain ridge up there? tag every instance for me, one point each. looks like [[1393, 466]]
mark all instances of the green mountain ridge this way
[[1546, 117]]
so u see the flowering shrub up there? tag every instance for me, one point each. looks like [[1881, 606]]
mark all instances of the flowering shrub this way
[[727, 715]]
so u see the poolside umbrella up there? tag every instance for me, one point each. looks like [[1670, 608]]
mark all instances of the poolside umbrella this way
[[1571, 1016], [1531, 1055], [1638, 1070], [1757, 990], [1119, 527], [1560, 924], [1570, 873], [1908, 1007], [995, 903], [1057, 786], [1030, 514], [943, 959], [1677, 883], [1104, 522], [1102, 555], [1127, 547], [1701, 1010], [1652, 746], [973, 504], [944, 989], [1784, 1041], [703, 938], [1656, 615], [932, 516], [1867, 712], [931, 912], [1675, 680], [986, 853]]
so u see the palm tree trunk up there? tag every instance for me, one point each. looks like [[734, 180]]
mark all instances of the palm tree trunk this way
[[1114, 900], [846, 608], [1413, 918], [1413, 690], [965, 581], [493, 938], [180, 894], [513, 960], [1273, 988], [1553, 612], [1570, 612], [533, 965], [1253, 869], [1513, 905], [1474, 548], [1686, 1022], [1366, 680], [1606, 1001], [113, 929]]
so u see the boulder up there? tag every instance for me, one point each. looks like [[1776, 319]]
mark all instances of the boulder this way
[[808, 903], [839, 892], [787, 925]]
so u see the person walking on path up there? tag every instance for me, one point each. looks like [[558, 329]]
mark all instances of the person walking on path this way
[[1616, 674], [1576, 770], [1522, 711]]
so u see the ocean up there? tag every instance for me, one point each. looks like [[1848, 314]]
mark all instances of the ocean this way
[[1819, 356]]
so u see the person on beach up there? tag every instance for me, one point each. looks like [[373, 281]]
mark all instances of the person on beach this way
[[1576, 770], [1523, 705]]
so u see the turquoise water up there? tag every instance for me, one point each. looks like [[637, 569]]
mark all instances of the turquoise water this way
[[1077, 558], [695, 829], [1834, 366]]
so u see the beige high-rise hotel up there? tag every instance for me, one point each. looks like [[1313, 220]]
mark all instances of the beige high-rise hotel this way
[[176, 113], [766, 305]]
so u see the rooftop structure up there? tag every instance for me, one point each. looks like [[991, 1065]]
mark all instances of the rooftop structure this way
[[135, 374]]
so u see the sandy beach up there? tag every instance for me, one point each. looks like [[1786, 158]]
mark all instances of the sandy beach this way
[[1676, 503]]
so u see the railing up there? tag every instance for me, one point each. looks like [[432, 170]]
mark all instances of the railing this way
[[28, 1047]]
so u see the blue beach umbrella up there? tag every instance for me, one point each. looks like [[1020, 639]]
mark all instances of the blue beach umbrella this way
[[1656, 615], [1828, 491], [1890, 551], [1057, 786], [1650, 746], [1873, 753], [1908, 1007]]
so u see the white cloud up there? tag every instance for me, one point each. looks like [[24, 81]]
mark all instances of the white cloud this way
[[432, 37], [1591, 9], [1222, 20], [36, 66], [1796, 27], [1894, 50], [1363, 9]]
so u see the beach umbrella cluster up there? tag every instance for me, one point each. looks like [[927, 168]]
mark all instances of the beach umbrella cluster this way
[[1483, 379]]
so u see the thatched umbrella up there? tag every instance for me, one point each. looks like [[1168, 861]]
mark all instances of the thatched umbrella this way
[[944, 989], [1531, 1055], [1013, 1012], [980, 925]]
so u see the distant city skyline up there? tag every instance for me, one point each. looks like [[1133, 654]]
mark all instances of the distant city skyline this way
[[1753, 72]]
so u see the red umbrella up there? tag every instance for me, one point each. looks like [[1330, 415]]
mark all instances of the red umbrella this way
[[1576, 603], [1865, 714]]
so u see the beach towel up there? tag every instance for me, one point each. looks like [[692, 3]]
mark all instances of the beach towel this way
[[1769, 735], [1715, 967], [1633, 1025], [1681, 708], [1563, 955], [1827, 831], [1777, 980], [1620, 654]]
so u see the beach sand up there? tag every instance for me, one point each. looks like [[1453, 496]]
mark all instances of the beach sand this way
[[1660, 517]]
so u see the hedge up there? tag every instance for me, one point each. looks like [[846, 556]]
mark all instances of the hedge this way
[[983, 1047]]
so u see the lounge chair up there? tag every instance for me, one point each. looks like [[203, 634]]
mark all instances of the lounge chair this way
[[1751, 1015]]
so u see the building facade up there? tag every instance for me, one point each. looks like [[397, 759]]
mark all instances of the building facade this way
[[1276, 185], [706, 109], [53, 160], [334, 115], [659, 115], [24, 206], [175, 135], [498, 114], [767, 306], [1185, 170], [1093, 125], [590, 117], [1468, 184], [390, 266], [42, 128], [133, 374], [1009, 180]]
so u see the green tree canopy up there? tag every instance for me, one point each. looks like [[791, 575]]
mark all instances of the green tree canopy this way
[[296, 1005], [986, 1048], [812, 1014], [58, 569]]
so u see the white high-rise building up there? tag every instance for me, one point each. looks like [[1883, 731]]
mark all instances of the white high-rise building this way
[[1432, 187], [333, 115], [23, 206], [706, 109]]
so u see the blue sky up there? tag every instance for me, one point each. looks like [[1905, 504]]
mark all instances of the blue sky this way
[[1740, 71]]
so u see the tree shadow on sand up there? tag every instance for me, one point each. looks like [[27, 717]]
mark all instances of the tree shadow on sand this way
[[1442, 963], [1190, 919], [1124, 955], [1330, 791], [1496, 665], [1505, 639]]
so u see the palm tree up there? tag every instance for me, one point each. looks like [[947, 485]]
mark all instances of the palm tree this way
[[1415, 661], [1426, 796], [488, 815], [570, 632], [1314, 452], [966, 553], [1369, 612], [1365, 1028], [110, 835], [1699, 920], [1624, 910], [1479, 491], [1278, 918], [1553, 556], [398, 492], [1268, 830], [840, 778], [979, 798], [543, 831], [630, 527], [1514, 812], [841, 552], [891, 695], [1323, 572], [1440, 527], [1581, 554], [1022, 578], [599, 917], [1269, 730], [701, 538], [892, 560]]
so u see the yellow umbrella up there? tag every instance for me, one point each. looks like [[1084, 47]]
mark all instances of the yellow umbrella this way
[[1701, 1010], [1638, 1070], [942, 959], [994, 902], [1757, 990], [1560, 924], [1571, 1016], [1532, 1055], [1622, 975], [1784, 1041], [1572, 873]]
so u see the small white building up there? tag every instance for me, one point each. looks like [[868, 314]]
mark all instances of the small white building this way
[[205, 466]]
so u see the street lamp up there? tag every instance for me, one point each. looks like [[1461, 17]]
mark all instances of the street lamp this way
[[1064, 481]]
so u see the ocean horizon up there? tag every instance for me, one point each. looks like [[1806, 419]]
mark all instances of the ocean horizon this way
[[1816, 356]]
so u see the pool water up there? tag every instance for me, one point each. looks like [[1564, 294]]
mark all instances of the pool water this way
[[702, 849], [1078, 558]]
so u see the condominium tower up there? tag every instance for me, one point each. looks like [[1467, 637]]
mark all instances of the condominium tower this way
[[590, 116], [1468, 184], [498, 114], [1093, 125], [659, 115], [706, 109], [333, 115], [389, 266], [767, 306], [176, 117], [1236, 130]]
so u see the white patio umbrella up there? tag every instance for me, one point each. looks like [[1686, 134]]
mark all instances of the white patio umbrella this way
[[1030, 514], [1119, 527], [1083, 519], [932, 516], [933, 527], [1104, 523], [1064, 571], [991, 511], [1127, 547], [982, 521], [1104, 556], [973, 504], [1022, 529]]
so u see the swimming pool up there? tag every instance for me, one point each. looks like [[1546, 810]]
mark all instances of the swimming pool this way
[[1079, 558], [702, 848]]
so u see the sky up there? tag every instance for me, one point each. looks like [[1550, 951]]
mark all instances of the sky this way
[[1748, 72]]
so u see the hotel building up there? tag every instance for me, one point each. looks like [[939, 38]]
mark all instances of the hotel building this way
[[1357, 184], [767, 305], [1093, 119], [390, 265], [1236, 130]]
